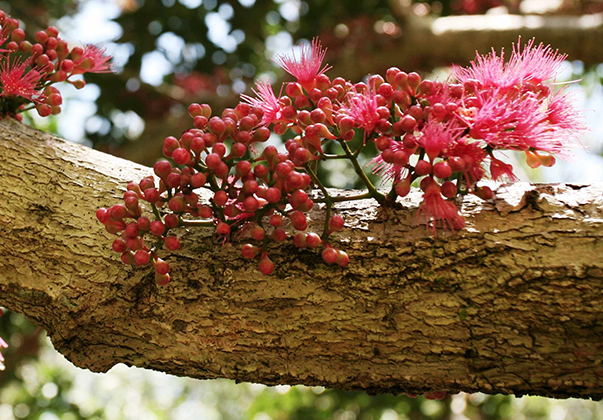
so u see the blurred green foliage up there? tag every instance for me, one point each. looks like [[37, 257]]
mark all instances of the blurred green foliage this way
[[30, 389]]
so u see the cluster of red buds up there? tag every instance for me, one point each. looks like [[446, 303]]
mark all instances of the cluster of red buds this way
[[252, 196], [29, 70], [440, 136]]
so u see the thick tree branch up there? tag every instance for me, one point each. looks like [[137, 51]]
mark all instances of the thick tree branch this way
[[512, 304]]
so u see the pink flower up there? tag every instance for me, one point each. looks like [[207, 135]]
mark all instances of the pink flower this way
[[473, 156], [389, 171], [362, 107], [500, 169], [308, 67], [535, 64], [511, 105], [267, 100], [436, 137], [442, 94], [17, 82], [562, 117], [507, 123], [487, 69], [94, 60], [528, 64], [2, 345], [522, 122], [438, 211]]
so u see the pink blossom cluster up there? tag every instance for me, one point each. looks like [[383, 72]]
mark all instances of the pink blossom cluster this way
[[455, 127], [28, 70], [441, 136]]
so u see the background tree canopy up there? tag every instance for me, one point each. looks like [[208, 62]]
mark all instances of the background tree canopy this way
[[170, 53]]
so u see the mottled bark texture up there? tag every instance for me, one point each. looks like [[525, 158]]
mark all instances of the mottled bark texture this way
[[426, 43], [512, 304]]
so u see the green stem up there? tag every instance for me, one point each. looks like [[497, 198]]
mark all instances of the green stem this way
[[25, 109], [211, 178], [459, 185], [369, 185], [359, 150], [197, 223], [328, 157], [156, 212], [327, 200], [317, 182], [459, 180], [341, 198], [421, 154], [281, 211], [391, 196], [200, 167]]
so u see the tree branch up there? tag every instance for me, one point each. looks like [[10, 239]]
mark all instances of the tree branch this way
[[512, 304]]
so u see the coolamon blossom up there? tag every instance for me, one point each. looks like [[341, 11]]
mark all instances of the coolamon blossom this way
[[17, 82], [473, 156], [527, 64], [534, 64], [308, 67], [500, 169], [30, 68], [97, 61], [506, 123], [443, 213], [435, 137], [520, 124], [563, 117], [514, 107], [389, 171], [488, 69], [362, 107], [266, 100], [2, 345]]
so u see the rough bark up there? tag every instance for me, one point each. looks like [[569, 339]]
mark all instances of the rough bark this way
[[427, 43], [512, 304]]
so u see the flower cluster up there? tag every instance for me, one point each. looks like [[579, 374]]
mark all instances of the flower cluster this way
[[441, 136], [28, 71]]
